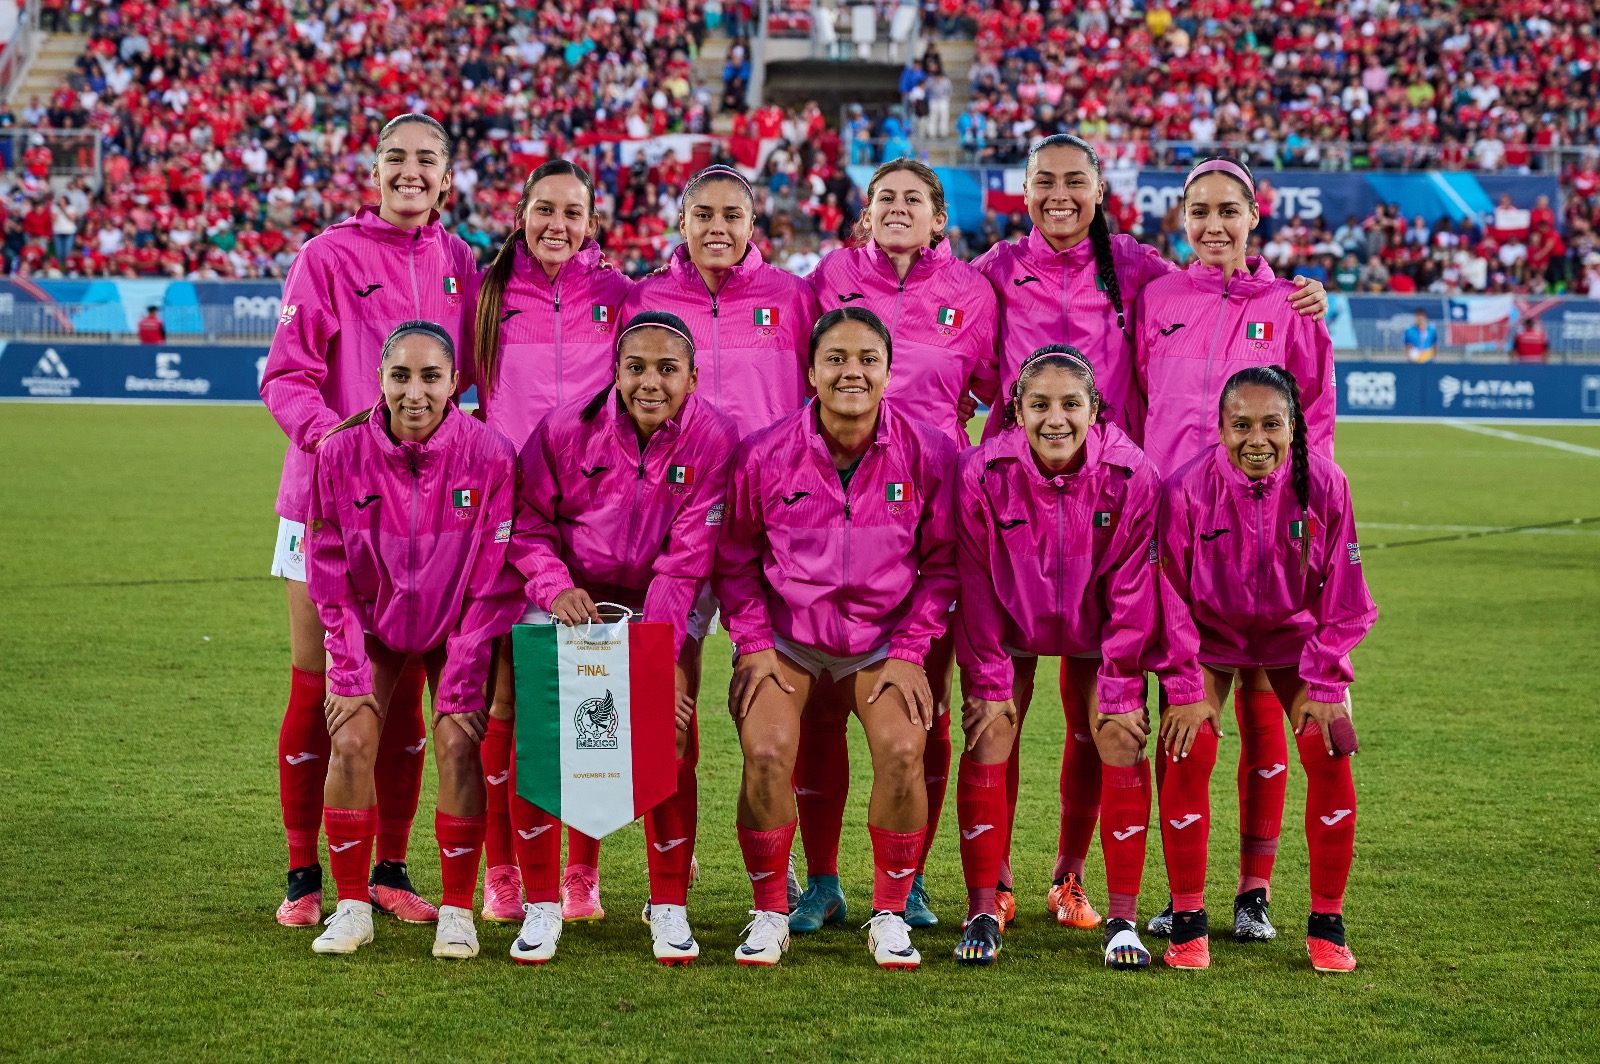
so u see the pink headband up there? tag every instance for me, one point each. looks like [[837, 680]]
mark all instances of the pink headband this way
[[717, 171], [1225, 166], [655, 325]]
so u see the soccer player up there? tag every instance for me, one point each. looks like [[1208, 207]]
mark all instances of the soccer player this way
[[1197, 327], [621, 501], [1072, 281], [1261, 569], [348, 288], [941, 316], [838, 556], [1055, 518], [410, 512], [546, 327]]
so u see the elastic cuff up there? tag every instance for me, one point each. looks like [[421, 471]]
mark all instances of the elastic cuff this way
[[1185, 692], [1324, 693], [907, 654], [544, 594], [992, 692], [756, 646], [350, 685], [1111, 709]]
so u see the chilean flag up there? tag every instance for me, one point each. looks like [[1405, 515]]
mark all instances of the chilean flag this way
[[1002, 191]]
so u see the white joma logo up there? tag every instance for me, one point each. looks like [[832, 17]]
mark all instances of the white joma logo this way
[[496, 781], [422, 745], [1338, 815], [756, 877], [343, 846], [455, 851], [1185, 822], [535, 833], [976, 831], [806, 792], [1124, 836], [1268, 773], [900, 874], [1082, 737], [300, 758], [670, 844]]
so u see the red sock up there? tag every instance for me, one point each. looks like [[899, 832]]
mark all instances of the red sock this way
[[350, 833], [894, 862], [936, 777], [980, 812], [582, 850], [766, 860], [496, 753], [401, 759], [303, 765], [1080, 786], [1124, 818], [1330, 820], [821, 788], [1263, 782], [1013, 779], [460, 849], [1186, 819], [536, 838], [669, 840]]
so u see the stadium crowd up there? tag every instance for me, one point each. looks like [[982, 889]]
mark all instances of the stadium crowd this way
[[220, 162]]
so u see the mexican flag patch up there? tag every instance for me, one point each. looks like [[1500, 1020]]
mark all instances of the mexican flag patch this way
[[1104, 519], [896, 492], [766, 316], [680, 474], [1303, 529], [1258, 330], [599, 314], [950, 316], [452, 287], [464, 497], [297, 544]]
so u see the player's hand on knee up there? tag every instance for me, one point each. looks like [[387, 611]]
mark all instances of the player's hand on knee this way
[[1180, 725], [749, 674], [912, 682], [683, 709], [339, 709], [978, 715], [475, 724]]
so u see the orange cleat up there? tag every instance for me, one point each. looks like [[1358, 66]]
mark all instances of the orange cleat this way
[[1070, 904], [1005, 907]]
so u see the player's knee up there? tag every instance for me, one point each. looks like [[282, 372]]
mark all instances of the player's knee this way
[[768, 763], [898, 760], [352, 749], [1118, 747]]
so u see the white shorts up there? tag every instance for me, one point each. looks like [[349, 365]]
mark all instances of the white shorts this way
[[814, 661], [289, 557], [703, 616]]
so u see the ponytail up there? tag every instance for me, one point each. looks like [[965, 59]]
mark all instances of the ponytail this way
[[592, 408], [491, 302], [360, 417], [1105, 261]]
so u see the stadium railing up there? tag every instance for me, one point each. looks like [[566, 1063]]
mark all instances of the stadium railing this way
[[19, 50], [73, 152]]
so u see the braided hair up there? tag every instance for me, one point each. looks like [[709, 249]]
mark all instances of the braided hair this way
[[1282, 381], [1099, 226], [1052, 356]]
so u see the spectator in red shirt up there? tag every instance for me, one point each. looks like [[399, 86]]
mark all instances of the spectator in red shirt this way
[[151, 331]]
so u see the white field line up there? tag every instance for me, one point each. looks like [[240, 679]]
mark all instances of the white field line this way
[[1385, 526], [1517, 437]]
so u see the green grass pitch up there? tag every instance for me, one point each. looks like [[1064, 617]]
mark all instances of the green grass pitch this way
[[145, 668]]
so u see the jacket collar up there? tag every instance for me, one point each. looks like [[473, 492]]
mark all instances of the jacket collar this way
[[1093, 448], [744, 270], [1235, 478], [1037, 249], [372, 225], [406, 456], [1256, 277], [672, 429], [586, 259], [928, 261], [819, 446]]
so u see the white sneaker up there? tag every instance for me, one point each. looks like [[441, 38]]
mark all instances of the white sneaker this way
[[349, 928], [455, 938], [793, 885], [541, 930], [767, 939], [890, 941], [670, 935]]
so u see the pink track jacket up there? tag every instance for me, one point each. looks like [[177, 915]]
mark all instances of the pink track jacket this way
[[347, 290], [1232, 590], [751, 338], [840, 570], [408, 541], [597, 513], [1059, 565], [556, 339], [1195, 333], [943, 319]]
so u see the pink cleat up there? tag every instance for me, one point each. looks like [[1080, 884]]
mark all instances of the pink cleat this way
[[304, 911], [502, 894], [392, 893], [580, 894]]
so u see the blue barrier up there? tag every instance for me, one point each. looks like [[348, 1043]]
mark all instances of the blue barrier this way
[[1460, 390], [166, 372]]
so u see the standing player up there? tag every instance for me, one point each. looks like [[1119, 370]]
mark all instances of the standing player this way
[[1196, 328], [348, 288], [941, 317], [410, 516], [622, 499], [838, 556], [546, 319], [1261, 570], [1055, 519]]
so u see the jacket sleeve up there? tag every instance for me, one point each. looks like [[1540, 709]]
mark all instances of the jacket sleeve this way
[[980, 622], [535, 543], [328, 584], [1177, 660], [1318, 396], [493, 599], [936, 587], [1344, 609], [1131, 592], [738, 580], [684, 564], [297, 363]]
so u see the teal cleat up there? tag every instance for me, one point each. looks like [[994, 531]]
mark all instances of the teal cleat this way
[[917, 912], [820, 905]]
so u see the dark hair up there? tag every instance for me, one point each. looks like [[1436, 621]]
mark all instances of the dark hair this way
[[1249, 192], [1282, 381], [1099, 226], [922, 172], [838, 316], [415, 118], [1052, 356], [662, 320], [416, 327], [492, 291], [716, 172]]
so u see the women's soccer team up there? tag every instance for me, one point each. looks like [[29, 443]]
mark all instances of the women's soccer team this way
[[1155, 495]]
